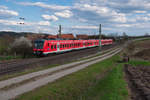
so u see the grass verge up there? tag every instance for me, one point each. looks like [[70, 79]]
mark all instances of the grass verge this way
[[2, 58], [135, 62], [96, 81]]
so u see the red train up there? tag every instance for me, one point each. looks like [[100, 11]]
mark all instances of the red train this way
[[44, 47]]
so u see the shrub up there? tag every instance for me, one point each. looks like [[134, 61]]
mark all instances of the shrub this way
[[5, 42], [22, 46]]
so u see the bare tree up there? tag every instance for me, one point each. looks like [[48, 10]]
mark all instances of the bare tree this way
[[125, 36], [146, 34], [22, 46]]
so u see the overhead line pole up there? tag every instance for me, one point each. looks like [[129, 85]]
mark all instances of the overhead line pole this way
[[100, 36], [59, 31]]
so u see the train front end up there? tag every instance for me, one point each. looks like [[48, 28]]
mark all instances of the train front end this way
[[38, 47]]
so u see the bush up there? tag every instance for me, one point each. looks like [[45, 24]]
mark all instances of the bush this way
[[5, 42], [22, 46]]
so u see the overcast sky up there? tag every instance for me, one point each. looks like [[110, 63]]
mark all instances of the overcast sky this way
[[76, 16]]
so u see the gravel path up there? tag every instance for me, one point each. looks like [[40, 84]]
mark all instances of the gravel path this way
[[13, 92]]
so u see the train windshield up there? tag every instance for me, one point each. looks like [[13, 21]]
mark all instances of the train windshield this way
[[38, 44]]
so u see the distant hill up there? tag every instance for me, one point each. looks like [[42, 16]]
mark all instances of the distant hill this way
[[17, 34]]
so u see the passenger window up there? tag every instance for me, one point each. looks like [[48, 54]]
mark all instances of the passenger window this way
[[51, 46]]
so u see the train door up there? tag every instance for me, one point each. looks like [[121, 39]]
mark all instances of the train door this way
[[100, 42]]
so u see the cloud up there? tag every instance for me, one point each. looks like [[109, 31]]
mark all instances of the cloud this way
[[82, 20], [143, 18], [85, 27], [48, 17], [140, 11], [17, 23], [38, 27], [43, 5], [101, 12], [5, 13], [124, 25], [44, 23], [64, 14], [8, 22], [3, 7]]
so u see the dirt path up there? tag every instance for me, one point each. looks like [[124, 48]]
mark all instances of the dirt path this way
[[138, 79], [13, 92]]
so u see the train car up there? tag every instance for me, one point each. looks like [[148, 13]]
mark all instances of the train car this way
[[44, 47]]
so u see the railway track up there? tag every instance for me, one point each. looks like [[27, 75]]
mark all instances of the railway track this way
[[31, 81], [20, 65]]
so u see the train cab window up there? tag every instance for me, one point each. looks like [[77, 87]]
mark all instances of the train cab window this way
[[38, 44]]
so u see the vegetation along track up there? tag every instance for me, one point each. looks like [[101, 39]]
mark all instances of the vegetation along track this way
[[20, 65], [51, 75]]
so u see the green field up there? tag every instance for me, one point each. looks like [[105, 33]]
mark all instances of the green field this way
[[103, 80]]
